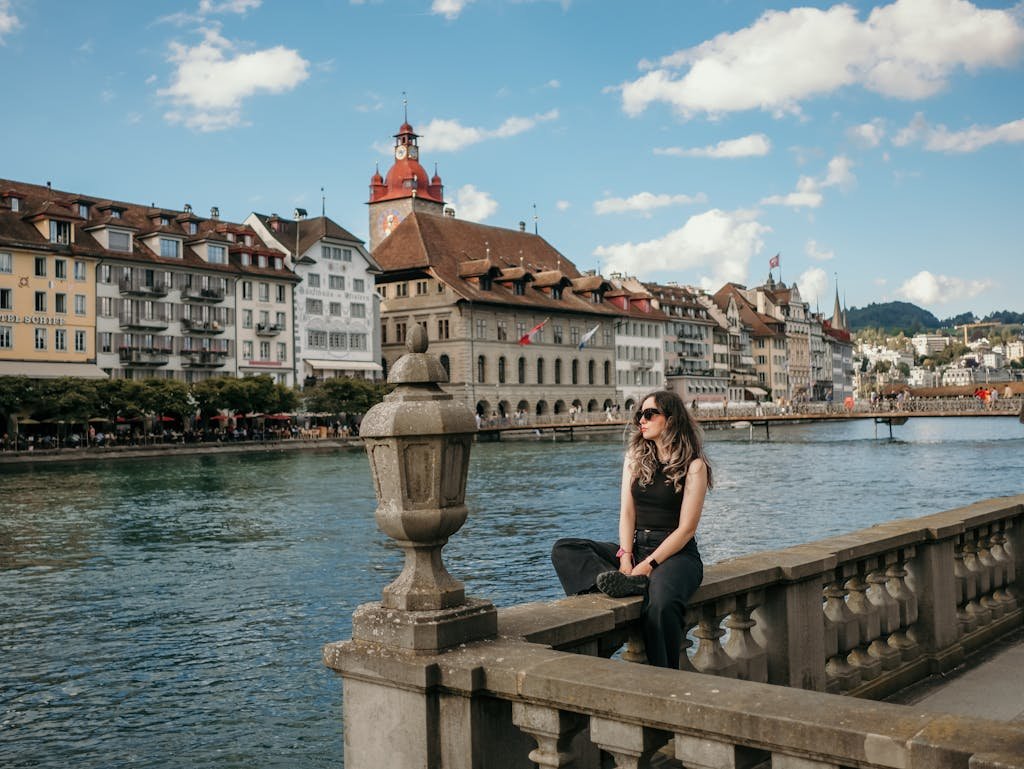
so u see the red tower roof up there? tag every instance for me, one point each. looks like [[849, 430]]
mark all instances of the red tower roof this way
[[406, 178]]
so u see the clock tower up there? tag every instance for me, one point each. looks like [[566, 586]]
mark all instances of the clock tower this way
[[405, 189]]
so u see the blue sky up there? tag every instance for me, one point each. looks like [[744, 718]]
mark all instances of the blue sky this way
[[685, 141]]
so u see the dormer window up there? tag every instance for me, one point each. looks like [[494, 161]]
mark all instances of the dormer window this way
[[192, 228], [170, 248], [115, 213], [485, 282], [60, 232], [118, 240], [231, 237], [83, 210], [518, 287], [595, 297], [556, 292], [248, 240], [278, 263], [15, 203], [164, 221], [262, 260], [216, 255], [246, 258]]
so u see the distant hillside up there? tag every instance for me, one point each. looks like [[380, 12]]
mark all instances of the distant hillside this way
[[893, 317]]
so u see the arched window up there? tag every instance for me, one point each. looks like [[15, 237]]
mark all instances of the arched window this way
[[446, 364], [558, 371], [501, 370], [607, 372], [576, 372], [540, 371], [522, 371], [481, 369], [592, 372]]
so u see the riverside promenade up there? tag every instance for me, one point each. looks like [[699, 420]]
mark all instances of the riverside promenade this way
[[787, 651]]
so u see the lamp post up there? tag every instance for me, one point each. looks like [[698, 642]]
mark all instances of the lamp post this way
[[300, 214]]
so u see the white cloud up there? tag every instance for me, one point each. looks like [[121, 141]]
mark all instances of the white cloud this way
[[644, 202], [941, 139], [718, 243], [472, 204], [812, 283], [867, 134], [553, 84], [151, 79], [107, 96], [808, 193], [754, 145], [928, 289], [8, 21], [563, 205], [907, 50], [450, 135], [815, 251], [880, 281], [228, 6], [211, 80], [450, 9]]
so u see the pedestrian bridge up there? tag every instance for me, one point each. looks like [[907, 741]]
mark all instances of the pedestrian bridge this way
[[789, 651]]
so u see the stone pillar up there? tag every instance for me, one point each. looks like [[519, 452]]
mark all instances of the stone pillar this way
[[937, 629], [418, 441]]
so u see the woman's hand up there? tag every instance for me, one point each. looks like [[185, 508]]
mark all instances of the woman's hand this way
[[642, 569]]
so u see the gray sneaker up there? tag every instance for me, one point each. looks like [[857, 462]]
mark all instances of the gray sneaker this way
[[617, 585]]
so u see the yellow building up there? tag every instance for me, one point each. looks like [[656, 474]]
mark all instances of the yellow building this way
[[47, 290]]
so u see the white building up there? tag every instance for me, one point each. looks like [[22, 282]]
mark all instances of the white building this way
[[927, 344], [922, 377], [955, 376], [337, 309]]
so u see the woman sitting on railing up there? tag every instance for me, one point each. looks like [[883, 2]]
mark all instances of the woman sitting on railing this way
[[665, 476]]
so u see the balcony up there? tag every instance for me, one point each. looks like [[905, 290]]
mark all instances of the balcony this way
[[143, 324], [134, 288], [144, 357], [268, 329], [193, 294], [204, 327], [204, 359]]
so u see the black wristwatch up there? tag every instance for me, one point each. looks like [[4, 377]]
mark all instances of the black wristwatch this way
[[654, 564]]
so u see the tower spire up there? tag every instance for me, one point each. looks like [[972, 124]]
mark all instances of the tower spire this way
[[405, 108]]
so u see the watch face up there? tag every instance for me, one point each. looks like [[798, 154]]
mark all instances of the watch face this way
[[414, 152], [400, 152]]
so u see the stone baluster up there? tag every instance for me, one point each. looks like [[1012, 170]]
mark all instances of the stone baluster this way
[[635, 651], [933, 579], [896, 584], [869, 665], [1003, 593], [994, 571], [690, 620], [842, 633], [705, 753], [888, 615], [630, 745], [1013, 545], [965, 587], [552, 729], [751, 660], [710, 657], [979, 584]]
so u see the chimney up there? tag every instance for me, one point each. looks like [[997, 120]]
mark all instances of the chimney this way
[[449, 211], [188, 208], [522, 226], [214, 212]]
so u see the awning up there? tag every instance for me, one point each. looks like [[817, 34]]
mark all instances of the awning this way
[[343, 365], [49, 370], [757, 392]]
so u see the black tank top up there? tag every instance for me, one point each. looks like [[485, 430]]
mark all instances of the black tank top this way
[[657, 505]]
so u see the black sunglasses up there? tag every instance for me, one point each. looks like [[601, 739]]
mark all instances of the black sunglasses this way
[[648, 414]]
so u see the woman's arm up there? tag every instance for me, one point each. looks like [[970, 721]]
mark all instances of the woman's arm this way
[[627, 518], [689, 516]]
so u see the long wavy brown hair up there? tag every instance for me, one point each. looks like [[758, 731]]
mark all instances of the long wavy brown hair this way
[[682, 436]]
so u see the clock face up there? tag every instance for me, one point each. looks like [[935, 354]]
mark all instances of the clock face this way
[[414, 152], [400, 152]]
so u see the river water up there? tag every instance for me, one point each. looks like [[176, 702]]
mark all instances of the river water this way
[[170, 613]]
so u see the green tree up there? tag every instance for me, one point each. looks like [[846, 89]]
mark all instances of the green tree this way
[[166, 397], [119, 398], [342, 395], [209, 395], [904, 369], [16, 394], [882, 366]]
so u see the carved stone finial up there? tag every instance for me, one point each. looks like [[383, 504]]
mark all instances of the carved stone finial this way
[[416, 341]]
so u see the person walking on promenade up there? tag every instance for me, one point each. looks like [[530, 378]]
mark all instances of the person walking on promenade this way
[[665, 476]]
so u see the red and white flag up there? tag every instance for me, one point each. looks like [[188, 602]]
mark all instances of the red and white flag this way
[[773, 262], [529, 335]]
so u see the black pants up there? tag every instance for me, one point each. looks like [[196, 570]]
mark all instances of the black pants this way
[[578, 562]]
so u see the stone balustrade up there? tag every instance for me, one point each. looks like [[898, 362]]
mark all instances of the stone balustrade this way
[[432, 678]]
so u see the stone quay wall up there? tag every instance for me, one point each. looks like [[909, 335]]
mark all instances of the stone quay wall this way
[[788, 647]]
